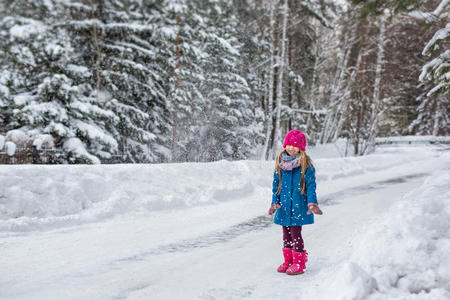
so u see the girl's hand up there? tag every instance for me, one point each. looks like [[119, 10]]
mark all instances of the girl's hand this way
[[273, 208], [314, 208]]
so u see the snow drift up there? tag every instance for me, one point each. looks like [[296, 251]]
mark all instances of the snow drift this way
[[33, 197], [403, 253]]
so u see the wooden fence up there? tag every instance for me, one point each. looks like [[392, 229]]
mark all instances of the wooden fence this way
[[31, 156]]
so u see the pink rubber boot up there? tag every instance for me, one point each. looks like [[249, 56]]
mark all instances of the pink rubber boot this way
[[299, 260], [287, 253]]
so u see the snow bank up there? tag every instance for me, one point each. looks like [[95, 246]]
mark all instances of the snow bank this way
[[351, 283], [382, 159], [416, 265], [33, 197], [43, 196]]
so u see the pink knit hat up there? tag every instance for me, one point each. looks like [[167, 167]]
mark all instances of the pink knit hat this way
[[295, 138]]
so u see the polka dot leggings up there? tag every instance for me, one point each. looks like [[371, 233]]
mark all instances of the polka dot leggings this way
[[292, 238]]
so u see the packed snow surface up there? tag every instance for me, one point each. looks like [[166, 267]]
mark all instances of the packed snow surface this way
[[201, 230]]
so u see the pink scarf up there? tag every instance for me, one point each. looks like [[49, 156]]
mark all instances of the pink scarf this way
[[289, 162]]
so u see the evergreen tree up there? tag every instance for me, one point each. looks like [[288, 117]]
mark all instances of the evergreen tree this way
[[122, 46], [433, 115], [48, 89], [185, 55], [96, 76], [227, 131], [438, 69], [434, 109]]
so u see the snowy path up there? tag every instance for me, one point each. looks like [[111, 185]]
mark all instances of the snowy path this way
[[101, 261], [245, 267], [227, 250]]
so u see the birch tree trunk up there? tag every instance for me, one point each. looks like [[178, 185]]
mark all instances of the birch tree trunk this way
[[277, 139], [361, 101], [309, 98], [375, 112], [269, 119], [336, 108], [342, 93]]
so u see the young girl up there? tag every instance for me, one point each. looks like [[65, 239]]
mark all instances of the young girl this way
[[294, 199]]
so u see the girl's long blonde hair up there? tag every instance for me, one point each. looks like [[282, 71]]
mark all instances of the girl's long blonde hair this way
[[305, 162]]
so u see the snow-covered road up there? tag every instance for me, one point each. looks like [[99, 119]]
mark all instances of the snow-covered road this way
[[245, 266], [227, 249]]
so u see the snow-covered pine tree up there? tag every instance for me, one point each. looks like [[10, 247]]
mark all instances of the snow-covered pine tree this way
[[48, 88], [227, 130], [122, 48], [434, 108], [255, 53], [431, 117], [438, 69], [184, 52]]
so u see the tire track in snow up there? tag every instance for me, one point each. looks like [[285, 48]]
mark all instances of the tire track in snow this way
[[333, 198]]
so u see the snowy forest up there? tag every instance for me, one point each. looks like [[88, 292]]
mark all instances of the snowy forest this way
[[140, 149], [137, 81]]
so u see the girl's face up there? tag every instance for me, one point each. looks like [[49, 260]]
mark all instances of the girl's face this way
[[292, 150]]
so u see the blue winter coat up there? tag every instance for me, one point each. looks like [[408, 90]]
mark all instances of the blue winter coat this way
[[294, 205]]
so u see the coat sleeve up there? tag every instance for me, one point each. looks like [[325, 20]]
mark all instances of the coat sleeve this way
[[276, 182], [310, 181]]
